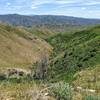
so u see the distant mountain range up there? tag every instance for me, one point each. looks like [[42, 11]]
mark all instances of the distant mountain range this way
[[46, 20]]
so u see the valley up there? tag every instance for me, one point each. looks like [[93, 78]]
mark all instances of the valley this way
[[49, 58]]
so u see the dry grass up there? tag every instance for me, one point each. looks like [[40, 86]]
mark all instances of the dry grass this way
[[89, 81], [18, 48], [23, 91], [15, 91]]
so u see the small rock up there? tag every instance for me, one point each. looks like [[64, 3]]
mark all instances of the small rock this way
[[46, 94]]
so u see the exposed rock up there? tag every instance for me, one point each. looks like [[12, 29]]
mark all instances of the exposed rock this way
[[17, 72], [85, 90]]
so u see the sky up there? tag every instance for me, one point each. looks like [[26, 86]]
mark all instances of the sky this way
[[77, 8]]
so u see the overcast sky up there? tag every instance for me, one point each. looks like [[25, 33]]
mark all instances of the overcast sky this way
[[78, 8]]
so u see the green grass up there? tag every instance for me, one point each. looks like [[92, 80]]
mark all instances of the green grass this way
[[90, 97]]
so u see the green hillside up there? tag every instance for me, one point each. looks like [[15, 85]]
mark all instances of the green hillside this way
[[76, 60], [74, 52]]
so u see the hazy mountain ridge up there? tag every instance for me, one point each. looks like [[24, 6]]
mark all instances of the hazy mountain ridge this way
[[46, 20]]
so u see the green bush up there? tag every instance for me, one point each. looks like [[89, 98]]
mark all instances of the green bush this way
[[62, 91]]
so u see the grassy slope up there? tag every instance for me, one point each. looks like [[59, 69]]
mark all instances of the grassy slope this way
[[19, 48], [88, 79], [74, 52], [41, 32]]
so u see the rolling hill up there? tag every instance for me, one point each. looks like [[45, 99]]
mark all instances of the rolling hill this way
[[48, 23], [19, 48], [74, 52], [46, 20]]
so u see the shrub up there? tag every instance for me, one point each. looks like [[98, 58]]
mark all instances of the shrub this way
[[62, 91]]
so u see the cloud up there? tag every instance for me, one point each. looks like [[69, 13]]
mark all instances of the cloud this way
[[61, 7], [66, 1], [34, 7], [83, 8], [92, 3], [38, 3], [8, 4], [41, 2], [60, 3]]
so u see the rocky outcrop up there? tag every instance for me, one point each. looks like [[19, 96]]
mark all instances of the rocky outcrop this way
[[14, 73]]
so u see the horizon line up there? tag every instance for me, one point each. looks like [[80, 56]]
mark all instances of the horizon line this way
[[48, 15]]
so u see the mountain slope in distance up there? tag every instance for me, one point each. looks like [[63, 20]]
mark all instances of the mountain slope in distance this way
[[46, 20]]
